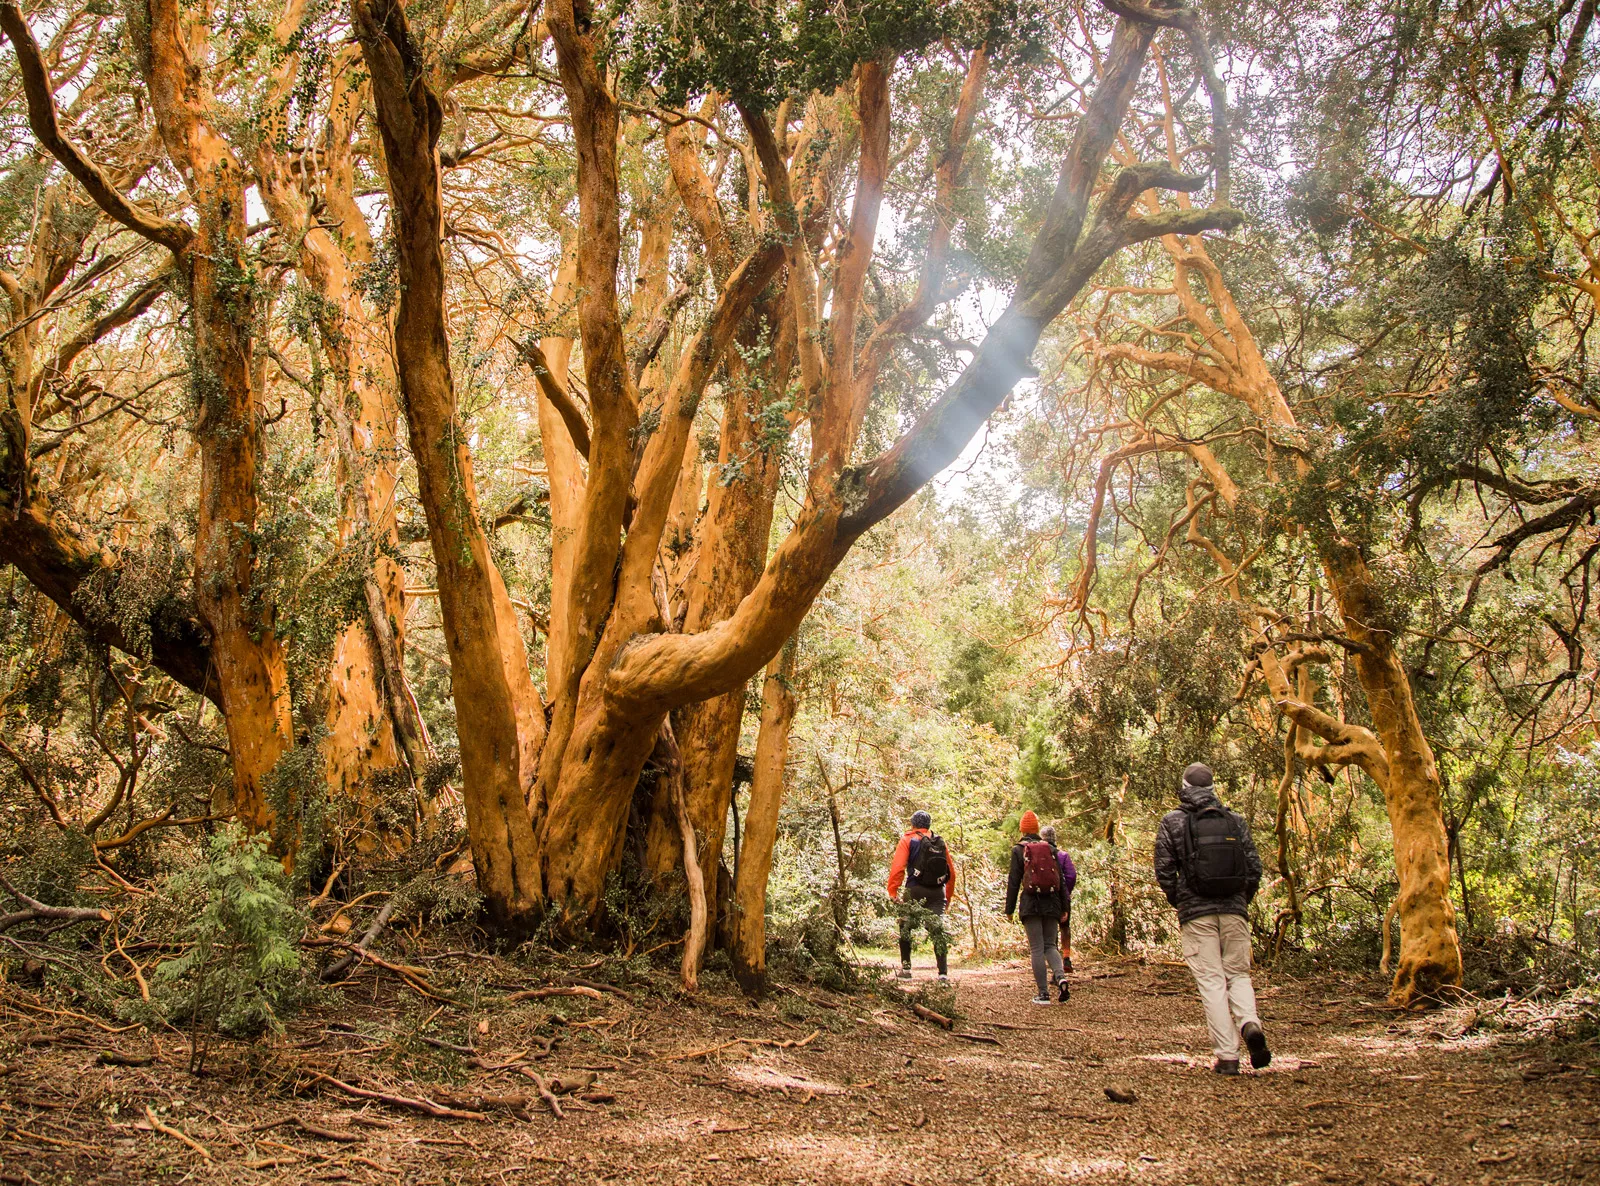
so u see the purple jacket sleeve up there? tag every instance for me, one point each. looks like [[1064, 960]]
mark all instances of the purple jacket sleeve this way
[[1069, 872]]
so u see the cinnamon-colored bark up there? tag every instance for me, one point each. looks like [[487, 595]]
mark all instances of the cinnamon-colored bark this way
[[749, 922], [499, 718]]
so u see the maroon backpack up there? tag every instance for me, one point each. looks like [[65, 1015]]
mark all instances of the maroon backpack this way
[[1040, 871]]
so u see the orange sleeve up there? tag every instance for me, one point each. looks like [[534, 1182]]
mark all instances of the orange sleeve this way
[[950, 885], [897, 867]]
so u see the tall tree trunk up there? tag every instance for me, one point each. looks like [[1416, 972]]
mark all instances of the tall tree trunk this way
[[498, 717], [238, 612], [1430, 951], [370, 716], [761, 824], [732, 548]]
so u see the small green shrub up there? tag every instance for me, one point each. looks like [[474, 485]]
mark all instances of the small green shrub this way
[[242, 972]]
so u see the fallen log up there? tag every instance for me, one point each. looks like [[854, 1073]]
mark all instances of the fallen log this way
[[938, 1019]]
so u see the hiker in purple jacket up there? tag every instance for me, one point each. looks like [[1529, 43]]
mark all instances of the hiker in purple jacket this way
[[1069, 879]]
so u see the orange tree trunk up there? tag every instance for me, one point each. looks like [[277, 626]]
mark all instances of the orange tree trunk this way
[[223, 294], [732, 550], [488, 673], [761, 825], [370, 716], [1430, 951]]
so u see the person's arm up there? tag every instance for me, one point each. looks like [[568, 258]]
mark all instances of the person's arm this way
[[1069, 873], [950, 883], [897, 867], [1014, 881], [1167, 863]]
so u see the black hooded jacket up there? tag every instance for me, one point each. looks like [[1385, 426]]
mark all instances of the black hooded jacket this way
[[1172, 851]]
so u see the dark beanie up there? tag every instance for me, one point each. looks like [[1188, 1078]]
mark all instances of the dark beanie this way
[[1197, 776], [921, 819]]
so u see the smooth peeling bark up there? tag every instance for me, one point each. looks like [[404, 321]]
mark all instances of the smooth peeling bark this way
[[586, 814], [370, 717], [251, 674], [499, 823], [749, 922], [245, 658], [564, 471], [613, 403], [731, 550], [1430, 949]]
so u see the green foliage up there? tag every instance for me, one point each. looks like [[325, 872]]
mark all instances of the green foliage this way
[[241, 974]]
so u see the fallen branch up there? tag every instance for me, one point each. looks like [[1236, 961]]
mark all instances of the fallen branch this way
[[425, 1106], [176, 1134], [115, 1058], [928, 1014], [598, 986], [338, 968], [775, 1043], [35, 910], [555, 990]]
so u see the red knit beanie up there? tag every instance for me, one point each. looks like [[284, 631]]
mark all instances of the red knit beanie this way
[[1030, 824]]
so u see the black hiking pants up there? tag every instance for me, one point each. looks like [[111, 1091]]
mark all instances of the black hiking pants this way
[[920, 907]]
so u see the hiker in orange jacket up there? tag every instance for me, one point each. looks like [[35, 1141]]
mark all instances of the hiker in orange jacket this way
[[924, 867]]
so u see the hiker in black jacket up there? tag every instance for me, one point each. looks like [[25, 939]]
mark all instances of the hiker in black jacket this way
[[1035, 894], [1207, 865]]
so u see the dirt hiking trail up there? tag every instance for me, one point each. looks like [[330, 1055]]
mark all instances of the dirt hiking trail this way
[[823, 1088]]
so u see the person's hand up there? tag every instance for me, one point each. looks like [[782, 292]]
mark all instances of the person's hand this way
[[1010, 918], [1064, 917]]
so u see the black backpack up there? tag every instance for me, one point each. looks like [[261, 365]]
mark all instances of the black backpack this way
[[929, 865], [1218, 865]]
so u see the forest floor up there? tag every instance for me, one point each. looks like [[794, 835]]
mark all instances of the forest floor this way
[[810, 1086]]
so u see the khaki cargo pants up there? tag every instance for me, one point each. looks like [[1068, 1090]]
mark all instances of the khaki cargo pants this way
[[1217, 949]]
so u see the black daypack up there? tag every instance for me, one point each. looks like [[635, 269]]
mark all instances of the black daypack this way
[[929, 865], [1218, 866]]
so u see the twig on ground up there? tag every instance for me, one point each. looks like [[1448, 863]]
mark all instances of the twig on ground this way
[[928, 1014], [327, 1134], [775, 1043], [176, 1134], [984, 1038], [547, 1095], [425, 1106]]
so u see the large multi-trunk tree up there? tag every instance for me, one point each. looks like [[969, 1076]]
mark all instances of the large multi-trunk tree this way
[[547, 834]]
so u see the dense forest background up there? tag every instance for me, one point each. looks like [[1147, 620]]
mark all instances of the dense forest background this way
[[584, 474]]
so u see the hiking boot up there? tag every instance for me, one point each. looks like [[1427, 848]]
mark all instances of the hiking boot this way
[[904, 973], [1043, 1000], [1066, 963], [1227, 1066], [1256, 1040], [944, 978], [1064, 993]]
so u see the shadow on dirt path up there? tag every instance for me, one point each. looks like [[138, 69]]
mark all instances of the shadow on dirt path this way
[[817, 1088]]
